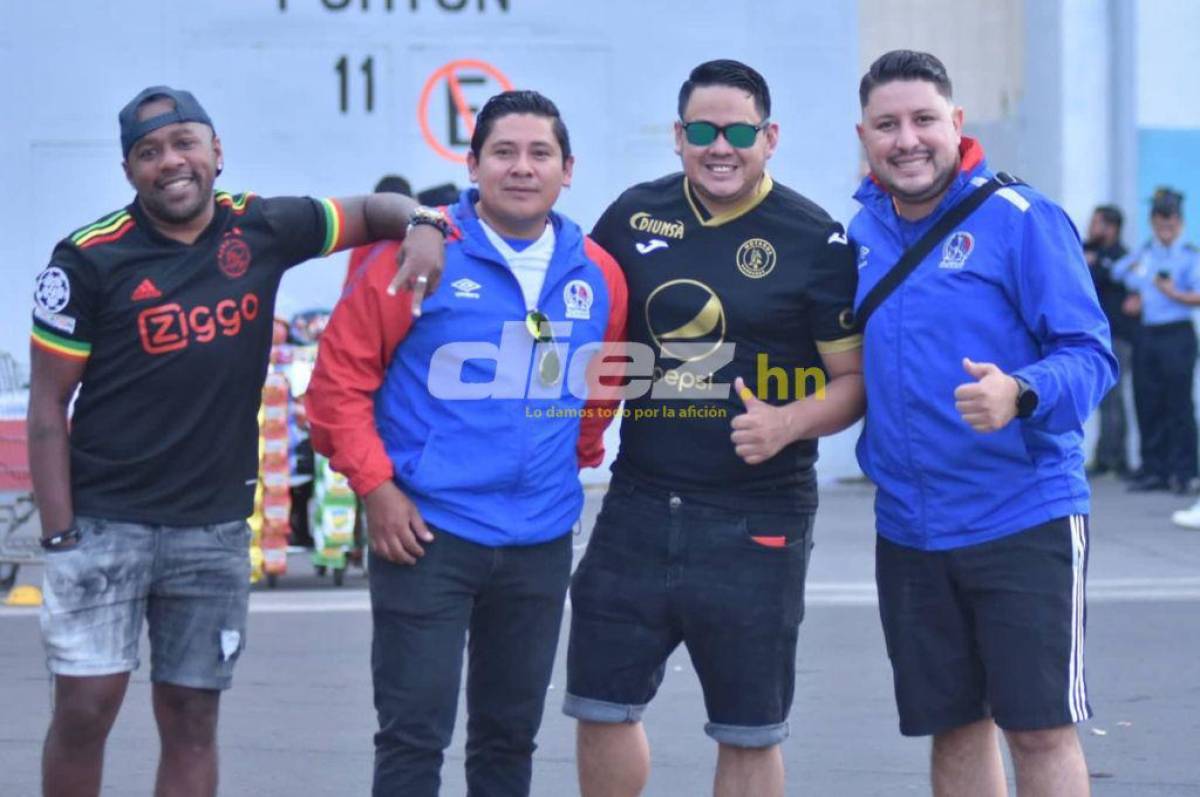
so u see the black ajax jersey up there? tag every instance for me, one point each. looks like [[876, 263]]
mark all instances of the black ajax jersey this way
[[758, 293], [176, 339]]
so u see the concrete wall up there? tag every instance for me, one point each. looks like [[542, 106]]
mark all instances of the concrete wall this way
[[267, 72], [1168, 107], [294, 117], [1090, 100]]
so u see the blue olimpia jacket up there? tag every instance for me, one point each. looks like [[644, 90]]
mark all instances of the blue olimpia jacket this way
[[450, 405], [1009, 286]]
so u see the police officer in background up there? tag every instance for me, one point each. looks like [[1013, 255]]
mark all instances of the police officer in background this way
[[1102, 250], [1165, 275]]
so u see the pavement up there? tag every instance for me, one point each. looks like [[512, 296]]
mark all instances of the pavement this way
[[299, 718]]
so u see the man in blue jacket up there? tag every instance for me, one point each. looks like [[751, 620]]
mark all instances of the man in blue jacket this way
[[463, 431], [980, 368]]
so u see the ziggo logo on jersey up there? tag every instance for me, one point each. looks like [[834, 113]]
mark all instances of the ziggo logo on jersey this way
[[168, 327]]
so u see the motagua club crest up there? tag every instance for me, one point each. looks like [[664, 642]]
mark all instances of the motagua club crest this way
[[756, 258]]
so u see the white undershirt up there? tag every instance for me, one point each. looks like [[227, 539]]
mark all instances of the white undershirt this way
[[529, 265]]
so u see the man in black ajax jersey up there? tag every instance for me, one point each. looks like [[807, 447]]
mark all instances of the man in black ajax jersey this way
[[742, 354], [161, 315]]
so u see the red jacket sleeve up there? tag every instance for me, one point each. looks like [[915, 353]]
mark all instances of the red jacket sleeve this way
[[355, 350], [357, 255], [604, 390]]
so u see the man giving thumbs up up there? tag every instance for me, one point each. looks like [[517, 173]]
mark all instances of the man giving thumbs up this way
[[764, 429], [990, 402], [982, 504]]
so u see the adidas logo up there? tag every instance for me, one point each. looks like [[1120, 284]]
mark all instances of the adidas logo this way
[[145, 290], [466, 288]]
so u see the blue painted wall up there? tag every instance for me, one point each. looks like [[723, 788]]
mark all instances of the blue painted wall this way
[[1171, 158]]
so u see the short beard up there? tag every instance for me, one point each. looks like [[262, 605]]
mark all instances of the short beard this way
[[164, 213], [935, 189]]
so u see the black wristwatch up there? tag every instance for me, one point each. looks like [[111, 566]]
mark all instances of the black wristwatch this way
[[63, 539], [1027, 398]]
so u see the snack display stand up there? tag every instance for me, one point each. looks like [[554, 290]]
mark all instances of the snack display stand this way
[[18, 534], [300, 502]]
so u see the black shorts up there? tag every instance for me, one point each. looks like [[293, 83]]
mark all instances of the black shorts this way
[[989, 630], [661, 569]]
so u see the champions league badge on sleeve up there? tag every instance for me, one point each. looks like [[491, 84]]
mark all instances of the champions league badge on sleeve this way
[[52, 292], [578, 298]]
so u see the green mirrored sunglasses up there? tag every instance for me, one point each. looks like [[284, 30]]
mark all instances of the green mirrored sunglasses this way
[[549, 363], [738, 134]]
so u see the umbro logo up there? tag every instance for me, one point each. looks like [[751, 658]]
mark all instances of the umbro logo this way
[[466, 288], [651, 245], [145, 290]]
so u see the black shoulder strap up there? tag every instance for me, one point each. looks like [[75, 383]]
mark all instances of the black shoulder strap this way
[[913, 256]]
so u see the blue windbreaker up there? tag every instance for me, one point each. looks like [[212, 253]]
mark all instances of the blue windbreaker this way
[[1009, 286], [451, 406]]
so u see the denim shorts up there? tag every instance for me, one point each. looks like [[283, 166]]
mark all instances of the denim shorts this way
[[661, 569], [191, 583]]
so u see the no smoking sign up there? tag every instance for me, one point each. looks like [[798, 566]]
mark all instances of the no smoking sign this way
[[449, 101]]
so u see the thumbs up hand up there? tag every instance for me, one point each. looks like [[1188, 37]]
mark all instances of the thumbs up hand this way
[[762, 430], [990, 401]]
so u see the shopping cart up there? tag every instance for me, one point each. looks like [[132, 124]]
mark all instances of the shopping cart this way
[[18, 536]]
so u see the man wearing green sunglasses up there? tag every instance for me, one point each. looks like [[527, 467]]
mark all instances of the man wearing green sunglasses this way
[[741, 135], [734, 282]]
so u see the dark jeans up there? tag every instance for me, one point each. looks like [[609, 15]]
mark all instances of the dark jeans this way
[[509, 603], [1111, 447], [1164, 365]]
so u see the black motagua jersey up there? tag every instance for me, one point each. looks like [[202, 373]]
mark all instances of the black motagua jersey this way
[[758, 292], [176, 340]]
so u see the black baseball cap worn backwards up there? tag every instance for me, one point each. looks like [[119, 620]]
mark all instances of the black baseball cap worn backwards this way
[[187, 109]]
